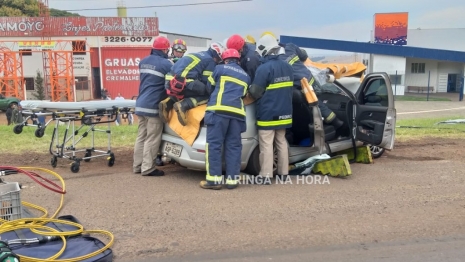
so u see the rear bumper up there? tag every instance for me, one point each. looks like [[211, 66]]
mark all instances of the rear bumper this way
[[194, 157]]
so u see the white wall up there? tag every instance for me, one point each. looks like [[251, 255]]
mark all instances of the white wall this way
[[389, 64], [412, 79], [446, 38], [392, 65]]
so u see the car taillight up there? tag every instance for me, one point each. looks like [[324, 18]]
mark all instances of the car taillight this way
[[200, 151]]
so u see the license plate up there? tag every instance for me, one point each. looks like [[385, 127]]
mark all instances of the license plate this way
[[173, 149]]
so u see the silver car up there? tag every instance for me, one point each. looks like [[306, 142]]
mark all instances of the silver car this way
[[367, 110]]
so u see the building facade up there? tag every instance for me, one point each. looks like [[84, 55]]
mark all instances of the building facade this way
[[94, 52], [415, 75]]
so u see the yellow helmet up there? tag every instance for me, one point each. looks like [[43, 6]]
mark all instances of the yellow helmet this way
[[250, 39], [269, 33]]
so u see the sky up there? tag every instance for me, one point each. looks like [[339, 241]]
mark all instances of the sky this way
[[329, 19]]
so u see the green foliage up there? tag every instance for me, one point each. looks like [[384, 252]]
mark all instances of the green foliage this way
[[27, 8], [428, 127], [39, 87]]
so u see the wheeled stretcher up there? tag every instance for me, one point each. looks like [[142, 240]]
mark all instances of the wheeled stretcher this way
[[89, 114]]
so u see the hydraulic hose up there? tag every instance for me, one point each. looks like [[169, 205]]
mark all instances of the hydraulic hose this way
[[38, 225]]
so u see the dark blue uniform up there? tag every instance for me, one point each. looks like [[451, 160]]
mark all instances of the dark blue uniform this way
[[196, 68], [250, 60], [153, 69], [225, 120], [296, 58], [273, 87]]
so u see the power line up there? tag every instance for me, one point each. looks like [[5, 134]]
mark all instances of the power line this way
[[152, 6]]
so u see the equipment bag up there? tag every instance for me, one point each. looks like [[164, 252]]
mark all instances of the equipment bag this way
[[76, 246]]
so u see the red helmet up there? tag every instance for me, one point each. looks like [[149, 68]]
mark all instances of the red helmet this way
[[230, 53], [161, 43], [235, 42]]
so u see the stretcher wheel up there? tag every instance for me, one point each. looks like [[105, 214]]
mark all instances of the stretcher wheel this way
[[111, 160], [18, 129], [53, 161], [39, 132], [75, 167], [88, 154]]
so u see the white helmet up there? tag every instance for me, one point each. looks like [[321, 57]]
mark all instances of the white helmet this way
[[266, 43], [217, 49]]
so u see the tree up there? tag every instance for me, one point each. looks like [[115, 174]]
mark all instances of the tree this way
[[28, 8], [39, 87]]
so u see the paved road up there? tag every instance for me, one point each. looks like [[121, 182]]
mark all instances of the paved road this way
[[449, 249], [429, 109]]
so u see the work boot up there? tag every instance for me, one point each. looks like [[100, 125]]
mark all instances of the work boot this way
[[181, 110], [231, 186], [209, 185], [155, 172], [164, 108], [337, 123]]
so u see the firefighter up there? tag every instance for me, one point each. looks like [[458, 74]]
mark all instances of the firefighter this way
[[186, 84], [153, 69], [296, 57], [250, 60], [272, 90], [225, 120], [178, 49]]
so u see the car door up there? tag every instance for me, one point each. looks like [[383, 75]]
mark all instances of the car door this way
[[374, 112]]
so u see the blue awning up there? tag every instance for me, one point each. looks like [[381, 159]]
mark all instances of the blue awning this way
[[379, 49]]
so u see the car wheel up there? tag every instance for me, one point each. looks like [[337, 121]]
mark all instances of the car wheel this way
[[253, 166], [376, 151]]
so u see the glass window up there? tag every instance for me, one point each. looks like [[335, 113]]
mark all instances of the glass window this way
[[376, 93]]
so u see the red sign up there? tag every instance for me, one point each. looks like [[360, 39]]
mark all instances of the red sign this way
[[120, 70], [78, 26]]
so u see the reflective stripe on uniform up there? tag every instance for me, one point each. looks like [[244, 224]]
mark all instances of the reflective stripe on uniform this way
[[275, 122], [195, 61], [280, 85], [146, 110], [169, 77], [152, 72], [330, 118], [207, 73], [293, 60], [211, 80], [209, 177], [311, 81], [218, 106]]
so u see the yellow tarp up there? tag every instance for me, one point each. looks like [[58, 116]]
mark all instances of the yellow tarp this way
[[191, 130], [340, 70]]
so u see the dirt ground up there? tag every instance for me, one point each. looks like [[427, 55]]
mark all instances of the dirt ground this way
[[414, 191]]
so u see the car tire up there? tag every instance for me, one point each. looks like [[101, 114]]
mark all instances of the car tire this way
[[376, 151], [253, 166]]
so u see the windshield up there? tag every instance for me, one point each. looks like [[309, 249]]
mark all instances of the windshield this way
[[327, 88]]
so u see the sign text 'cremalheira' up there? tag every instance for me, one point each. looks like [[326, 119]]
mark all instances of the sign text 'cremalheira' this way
[[127, 69]]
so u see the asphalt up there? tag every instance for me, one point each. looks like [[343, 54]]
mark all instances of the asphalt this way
[[447, 249], [429, 109]]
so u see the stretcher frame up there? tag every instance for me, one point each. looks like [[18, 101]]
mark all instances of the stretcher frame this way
[[89, 114]]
